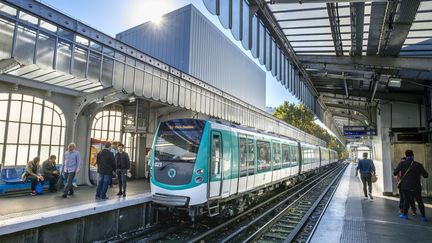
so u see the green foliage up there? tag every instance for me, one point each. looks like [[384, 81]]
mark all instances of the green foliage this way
[[301, 117]]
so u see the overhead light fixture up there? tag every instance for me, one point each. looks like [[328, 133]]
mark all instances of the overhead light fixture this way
[[131, 99], [395, 82]]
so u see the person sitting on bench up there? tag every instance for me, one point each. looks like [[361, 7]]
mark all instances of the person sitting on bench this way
[[50, 172], [33, 169]]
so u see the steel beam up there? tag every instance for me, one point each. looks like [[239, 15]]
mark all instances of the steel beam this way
[[322, 1], [378, 10], [333, 16], [391, 96], [357, 22], [409, 63]]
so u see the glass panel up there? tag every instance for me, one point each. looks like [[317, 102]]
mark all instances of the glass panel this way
[[243, 156], [285, 156], [55, 135], [107, 71], [108, 51], [268, 51], [16, 97], [236, 18], [118, 74], [56, 119], [46, 50], [3, 110], [47, 26], [25, 44], [129, 78], [2, 131], [55, 151], [35, 134], [274, 58], [94, 66], [10, 157], [255, 37], [47, 118], [24, 136], [105, 123], [216, 154], [224, 7], [26, 113], [33, 151], [261, 51], [7, 10], [37, 112], [80, 62], [15, 111], [28, 18], [251, 156], [22, 156], [60, 157], [210, 5], [44, 152], [6, 33], [95, 46], [63, 60], [263, 154], [46, 134], [65, 34], [245, 34], [276, 156], [82, 40]]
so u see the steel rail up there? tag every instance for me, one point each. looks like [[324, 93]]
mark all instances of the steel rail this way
[[271, 210], [299, 187], [275, 219]]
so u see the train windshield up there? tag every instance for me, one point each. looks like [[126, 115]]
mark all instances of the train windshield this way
[[178, 140]]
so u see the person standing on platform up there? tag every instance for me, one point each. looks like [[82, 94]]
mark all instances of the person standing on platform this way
[[50, 172], [401, 198], [71, 166], [366, 168], [123, 165], [410, 183], [105, 167], [33, 169]]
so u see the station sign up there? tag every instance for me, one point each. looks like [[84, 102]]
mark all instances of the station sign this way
[[359, 131]]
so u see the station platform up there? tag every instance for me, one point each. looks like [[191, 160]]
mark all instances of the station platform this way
[[25, 211], [352, 218]]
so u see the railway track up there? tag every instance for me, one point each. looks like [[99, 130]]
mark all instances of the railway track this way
[[253, 224], [286, 220]]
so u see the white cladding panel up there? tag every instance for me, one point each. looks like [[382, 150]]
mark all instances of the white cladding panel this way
[[188, 41]]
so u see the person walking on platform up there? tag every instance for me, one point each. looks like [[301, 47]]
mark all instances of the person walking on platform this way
[[105, 167], [50, 172], [366, 168], [401, 198], [33, 169], [123, 165], [71, 166], [410, 183]]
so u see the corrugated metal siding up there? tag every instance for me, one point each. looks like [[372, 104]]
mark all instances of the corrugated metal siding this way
[[219, 62], [188, 41], [168, 42]]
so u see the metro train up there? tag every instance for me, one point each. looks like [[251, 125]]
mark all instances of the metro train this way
[[217, 168]]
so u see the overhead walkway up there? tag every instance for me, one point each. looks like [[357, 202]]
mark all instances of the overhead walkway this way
[[352, 218]]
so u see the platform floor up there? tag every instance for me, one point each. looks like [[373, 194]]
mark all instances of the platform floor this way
[[351, 218], [22, 205]]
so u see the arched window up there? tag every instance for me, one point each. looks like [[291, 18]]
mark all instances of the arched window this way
[[107, 126], [29, 127]]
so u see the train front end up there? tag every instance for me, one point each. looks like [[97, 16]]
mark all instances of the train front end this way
[[179, 164]]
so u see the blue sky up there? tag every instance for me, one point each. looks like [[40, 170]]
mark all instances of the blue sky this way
[[114, 16]]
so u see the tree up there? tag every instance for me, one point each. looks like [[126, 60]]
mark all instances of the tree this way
[[302, 118]]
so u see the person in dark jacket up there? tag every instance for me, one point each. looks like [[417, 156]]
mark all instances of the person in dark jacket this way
[[401, 198], [123, 165], [410, 183], [105, 167], [366, 168], [50, 172]]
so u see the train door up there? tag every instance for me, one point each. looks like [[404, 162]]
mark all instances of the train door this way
[[226, 164], [215, 174], [250, 162], [243, 163]]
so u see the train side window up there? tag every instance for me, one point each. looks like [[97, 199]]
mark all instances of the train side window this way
[[263, 154], [216, 154], [243, 157], [294, 158], [285, 156], [276, 156], [251, 156]]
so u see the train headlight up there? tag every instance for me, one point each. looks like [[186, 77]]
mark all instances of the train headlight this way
[[200, 171], [199, 179]]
